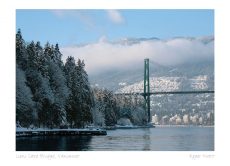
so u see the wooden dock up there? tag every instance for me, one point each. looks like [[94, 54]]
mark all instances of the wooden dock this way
[[60, 132]]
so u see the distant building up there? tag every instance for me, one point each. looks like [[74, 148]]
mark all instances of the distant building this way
[[178, 120], [186, 119], [210, 118], [165, 120], [173, 120], [194, 119], [208, 115], [155, 119], [200, 120]]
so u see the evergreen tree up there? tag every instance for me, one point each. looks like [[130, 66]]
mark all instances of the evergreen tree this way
[[33, 58], [80, 102], [69, 70], [109, 109], [59, 88], [58, 56], [126, 110], [57, 83], [25, 110], [106, 104], [98, 110], [60, 93], [21, 54], [72, 105], [84, 93], [39, 56], [45, 59], [42, 95]]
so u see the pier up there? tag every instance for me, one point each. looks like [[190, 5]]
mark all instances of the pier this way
[[60, 132]]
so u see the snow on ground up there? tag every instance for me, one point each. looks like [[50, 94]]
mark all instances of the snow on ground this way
[[122, 84], [156, 84], [23, 129], [199, 82], [166, 84]]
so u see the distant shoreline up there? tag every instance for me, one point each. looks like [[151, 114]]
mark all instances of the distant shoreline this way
[[183, 126]]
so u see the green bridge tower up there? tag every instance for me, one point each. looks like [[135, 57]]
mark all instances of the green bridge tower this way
[[147, 88]]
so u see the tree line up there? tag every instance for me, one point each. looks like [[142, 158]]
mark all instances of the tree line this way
[[50, 93]]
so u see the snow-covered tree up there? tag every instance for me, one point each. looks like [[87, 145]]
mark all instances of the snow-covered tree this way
[[41, 67], [98, 110], [58, 56], [106, 104], [21, 54], [52, 71], [72, 105], [85, 95], [25, 106], [42, 95], [33, 58], [61, 92], [38, 82], [80, 101]]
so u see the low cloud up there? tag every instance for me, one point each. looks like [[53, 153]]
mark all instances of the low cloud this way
[[104, 55], [115, 16]]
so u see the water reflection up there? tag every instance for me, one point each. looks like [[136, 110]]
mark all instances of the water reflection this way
[[155, 139], [53, 143], [147, 140]]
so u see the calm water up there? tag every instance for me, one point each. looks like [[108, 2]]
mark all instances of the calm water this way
[[154, 139]]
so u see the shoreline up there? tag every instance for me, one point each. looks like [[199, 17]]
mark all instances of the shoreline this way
[[50, 132], [185, 126]]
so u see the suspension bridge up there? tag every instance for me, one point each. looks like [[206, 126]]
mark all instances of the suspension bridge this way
[[146, 93]]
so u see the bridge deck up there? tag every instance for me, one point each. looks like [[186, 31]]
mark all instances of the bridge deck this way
[[167, 92]]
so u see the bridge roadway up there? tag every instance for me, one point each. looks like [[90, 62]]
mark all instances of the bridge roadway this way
[[166, 92]]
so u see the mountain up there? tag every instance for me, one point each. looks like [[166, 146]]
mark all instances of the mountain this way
[[169, 109], [114, 78], [186, 76], [131, 41]]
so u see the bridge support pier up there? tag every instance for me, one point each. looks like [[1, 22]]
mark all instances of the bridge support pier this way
[[147, 88]]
